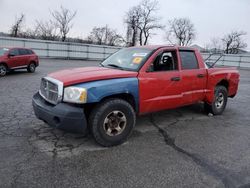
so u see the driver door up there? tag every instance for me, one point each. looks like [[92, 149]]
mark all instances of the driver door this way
[[14, 60], [160, 85]]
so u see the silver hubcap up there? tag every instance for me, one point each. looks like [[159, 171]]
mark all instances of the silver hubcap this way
[[219, 101], [2, 70], [115, 123]]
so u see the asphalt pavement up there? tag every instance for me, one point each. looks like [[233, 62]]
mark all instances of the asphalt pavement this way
[[183, 147]]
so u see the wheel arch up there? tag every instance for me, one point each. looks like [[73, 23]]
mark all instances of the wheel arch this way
[[210, 95], [128, 97], [124, 96], [224, 83], [32, 61], [5, 64]]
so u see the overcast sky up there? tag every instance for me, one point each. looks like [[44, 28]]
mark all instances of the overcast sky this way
[[211, 18]]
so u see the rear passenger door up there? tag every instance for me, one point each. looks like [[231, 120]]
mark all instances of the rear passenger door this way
[[193, 77], [24, 57]]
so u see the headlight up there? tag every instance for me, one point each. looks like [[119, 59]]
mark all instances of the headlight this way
[[75, 95]]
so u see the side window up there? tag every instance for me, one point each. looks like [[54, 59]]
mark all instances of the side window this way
[[14, 52], [166, 61], [29, 52], [23, 52], [188, 60]]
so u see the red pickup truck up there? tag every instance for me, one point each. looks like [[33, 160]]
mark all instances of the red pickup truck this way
[[133, 81]]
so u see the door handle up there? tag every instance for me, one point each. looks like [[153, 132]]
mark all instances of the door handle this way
[[200, 75], [175, 79]]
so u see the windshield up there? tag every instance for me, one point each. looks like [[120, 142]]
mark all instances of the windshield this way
[[3, 51], [127, 59]]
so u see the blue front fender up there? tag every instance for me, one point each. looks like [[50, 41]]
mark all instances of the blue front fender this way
[[97, 90]]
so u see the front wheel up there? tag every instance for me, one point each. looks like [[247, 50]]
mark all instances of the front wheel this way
[[219, 103], [31, 67], [112, 121]]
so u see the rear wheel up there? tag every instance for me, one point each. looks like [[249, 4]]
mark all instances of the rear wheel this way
[[220, 101], [112, 121], [3, 70], [31, 67]]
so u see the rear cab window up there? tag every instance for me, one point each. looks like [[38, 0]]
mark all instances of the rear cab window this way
[[188, 60]]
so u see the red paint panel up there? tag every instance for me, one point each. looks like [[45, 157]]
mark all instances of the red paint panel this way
[[158, 92], [215, 75], [87, 74]]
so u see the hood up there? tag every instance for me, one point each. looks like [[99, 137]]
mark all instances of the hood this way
[[87, 74], [2, 56]]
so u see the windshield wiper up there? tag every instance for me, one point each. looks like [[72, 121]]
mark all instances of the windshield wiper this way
[[116, 66]]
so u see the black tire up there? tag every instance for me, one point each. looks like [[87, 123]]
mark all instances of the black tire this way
[[117, 113], [31, 67], [3, 70], [219, 103]]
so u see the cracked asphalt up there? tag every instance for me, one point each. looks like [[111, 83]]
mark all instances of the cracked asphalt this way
[[175, 148]]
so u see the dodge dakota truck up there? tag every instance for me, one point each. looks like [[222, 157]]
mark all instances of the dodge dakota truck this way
[[131, 82]]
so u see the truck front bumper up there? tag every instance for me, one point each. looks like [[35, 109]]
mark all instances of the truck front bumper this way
[[62, 115]]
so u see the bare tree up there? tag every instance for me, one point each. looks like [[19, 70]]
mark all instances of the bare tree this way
[[181, 31], [62, 20], [97, 35], [104, 35], [141, 20], [15, 30], [149, 21], [233, 42], [28, 33], [45, 30], [132, 19]]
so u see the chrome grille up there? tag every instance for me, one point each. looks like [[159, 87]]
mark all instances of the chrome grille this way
[[50, 90]]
